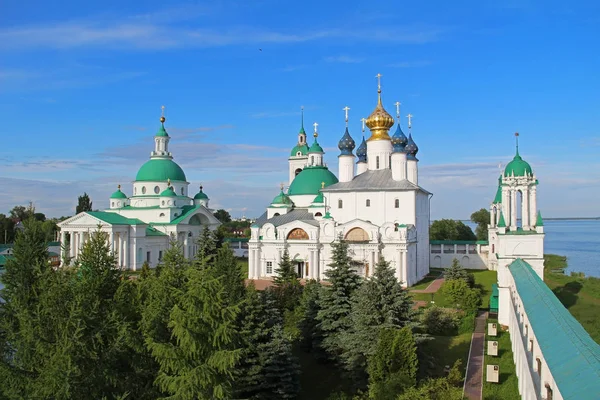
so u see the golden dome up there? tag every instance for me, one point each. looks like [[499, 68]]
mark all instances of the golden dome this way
[[379, 122]]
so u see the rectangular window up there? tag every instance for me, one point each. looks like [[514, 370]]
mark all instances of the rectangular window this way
[[472, 249], [461, 249], [368, 203], [269, 267], [436, 248], [448, 249], [148, 257], [160, 255]]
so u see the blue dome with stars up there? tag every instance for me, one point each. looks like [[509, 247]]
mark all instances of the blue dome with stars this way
[[399, 140], [411, 148], [346, 144], [361, 152]]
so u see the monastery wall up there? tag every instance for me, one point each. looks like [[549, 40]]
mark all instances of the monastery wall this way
[[470, 254]]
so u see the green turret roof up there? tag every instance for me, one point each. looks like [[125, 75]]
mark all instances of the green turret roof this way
[[501, 222], [540, 221], [498, 198], [162, 131], [282, 199], [160, 169], [201, 195], [168, 192], [310, 181], [302, 148], [319, 199], [118, 194], [518, 167], [315, 148]]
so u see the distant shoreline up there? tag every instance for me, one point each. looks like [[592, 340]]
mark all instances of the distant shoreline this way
[[559, 219]]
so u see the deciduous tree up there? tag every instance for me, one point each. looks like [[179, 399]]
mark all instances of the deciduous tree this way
[[449, 229], [482, 219], [83, 204]]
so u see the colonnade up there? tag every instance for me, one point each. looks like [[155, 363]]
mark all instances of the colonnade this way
[[118, 241], [510, 207]]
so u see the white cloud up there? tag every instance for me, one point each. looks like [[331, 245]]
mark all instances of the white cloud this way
[[410, 64], [344, 59]]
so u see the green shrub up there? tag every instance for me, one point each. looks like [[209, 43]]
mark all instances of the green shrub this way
[[467, 323], [440, 321], [461, 295], [457, 272]]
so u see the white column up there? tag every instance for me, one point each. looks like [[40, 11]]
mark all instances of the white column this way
[[412, 171], [399, 266], [311, 270], [63, 241], [398, 166], [111, 240], [126, 251], [257, 263], [525, 210], [76, 243], [513, 211], [405, 266], [317, 274], [186, 251], [533, 205], [506, 206]]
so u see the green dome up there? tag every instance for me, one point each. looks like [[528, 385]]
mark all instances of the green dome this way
[[518, 167], [319, 199], [160, 169], [201, 195], [303, 149], [118, 194], [310, 179], [162, 131], [315, 148], [168, 192], [281, 199]]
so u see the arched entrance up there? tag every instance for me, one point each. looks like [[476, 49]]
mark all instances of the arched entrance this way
[[357, 235]]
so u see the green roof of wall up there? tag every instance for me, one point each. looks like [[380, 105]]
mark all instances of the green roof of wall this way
[[571, 354], [450, 242], [114, 219], [160, 169]]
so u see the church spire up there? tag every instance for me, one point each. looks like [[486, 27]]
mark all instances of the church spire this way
[[161, 139]]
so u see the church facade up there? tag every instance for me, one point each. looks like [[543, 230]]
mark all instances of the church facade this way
[[141, 226], [376, 205]]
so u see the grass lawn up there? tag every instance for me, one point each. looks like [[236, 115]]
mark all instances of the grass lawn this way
[[447, 349], [430, 277], [507, 388], [581, 296], [483, 280]]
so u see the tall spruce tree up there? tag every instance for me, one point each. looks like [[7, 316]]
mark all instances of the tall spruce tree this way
[[285, 272], [286, 286], [336, 303], [199, 359], [83, 204], [207, 248], [227, 269], [379, 303], [281, 371], [307, 311]]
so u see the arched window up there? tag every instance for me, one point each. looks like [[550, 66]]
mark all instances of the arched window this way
[[312, 160], [297, 234], [377, 162], [276, 215], [143, 189], [368, 203], [548, 392], [357, 235], [156, 189], [340, 203], [162, 215], [390, 164], [397, 203], [298, 170], [182, 190], [318, 214], [113, 203]]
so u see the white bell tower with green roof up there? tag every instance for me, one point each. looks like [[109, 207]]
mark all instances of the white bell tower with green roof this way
[[511, 237], [299, 154]]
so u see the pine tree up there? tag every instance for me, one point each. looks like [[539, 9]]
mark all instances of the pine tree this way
[[285, 272], [207, 248], [199, 359], [281, 371], [379, 303], [83, 204], [336, 304], [286, 286], [457, 272], [227, 269], [308, 310], [394, 364]]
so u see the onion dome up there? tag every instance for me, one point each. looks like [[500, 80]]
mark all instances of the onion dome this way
[[518, 167], [399, 140], [160, 169], [380, 121], [411, 148], [361, 152], [310, 181], [282, 199], [315, 147], [118, 194], [201, 195], [168, 192], [346, 144]]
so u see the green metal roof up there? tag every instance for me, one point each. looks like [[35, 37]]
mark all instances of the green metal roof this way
[[118, 194], [518, 167], [152, 231], [450, 242], [319, 199], [540, 221], [309, 181], [160, 170], [315, 148], [501, 222], [200, 195], [494, 298], [186, 211], [571, 354], [282, 199], [114, 219], [498, 198], [303, 149], [162, 131], [168, 192], [520, 231], [3, 259]]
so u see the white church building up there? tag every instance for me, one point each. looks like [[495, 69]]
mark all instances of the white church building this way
[[376, 205], [141, 226]]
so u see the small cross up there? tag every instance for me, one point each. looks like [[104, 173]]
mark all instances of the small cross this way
[[322, 185], [346, 109], [397, 104], [363, 123], [315, 125], [281, 186], [409, 116], [162, 111], [378, 76], [119, 187]]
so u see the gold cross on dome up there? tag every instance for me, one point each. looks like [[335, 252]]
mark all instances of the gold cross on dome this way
[[378, 76], [322, 185], [315, 125]]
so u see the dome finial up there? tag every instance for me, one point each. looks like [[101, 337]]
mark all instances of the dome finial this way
[[397, 104], [378, 76], [379, 122], [119, 186], [517, 140], [316, 133], [162, 115], [301, 118], [322, 185], [168, 182], [281, 186], [363, 120], [201, 187], [346, 110]]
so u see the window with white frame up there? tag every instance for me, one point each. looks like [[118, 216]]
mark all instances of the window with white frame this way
[[269, 267]]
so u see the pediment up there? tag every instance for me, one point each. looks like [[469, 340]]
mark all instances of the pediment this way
[[82, 219]]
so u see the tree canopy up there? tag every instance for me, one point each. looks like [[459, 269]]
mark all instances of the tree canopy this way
[[222, 215], [83, 203], [482, 219], [449, 229]]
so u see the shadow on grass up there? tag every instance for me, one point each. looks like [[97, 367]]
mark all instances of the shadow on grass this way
[[567, 294]]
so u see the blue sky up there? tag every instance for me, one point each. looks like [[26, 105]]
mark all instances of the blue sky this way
[[81, 87]]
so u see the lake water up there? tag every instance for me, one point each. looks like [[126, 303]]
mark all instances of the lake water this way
[[579, 240]]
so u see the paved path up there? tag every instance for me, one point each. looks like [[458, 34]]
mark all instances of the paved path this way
[[473, 387], [433, 286]]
